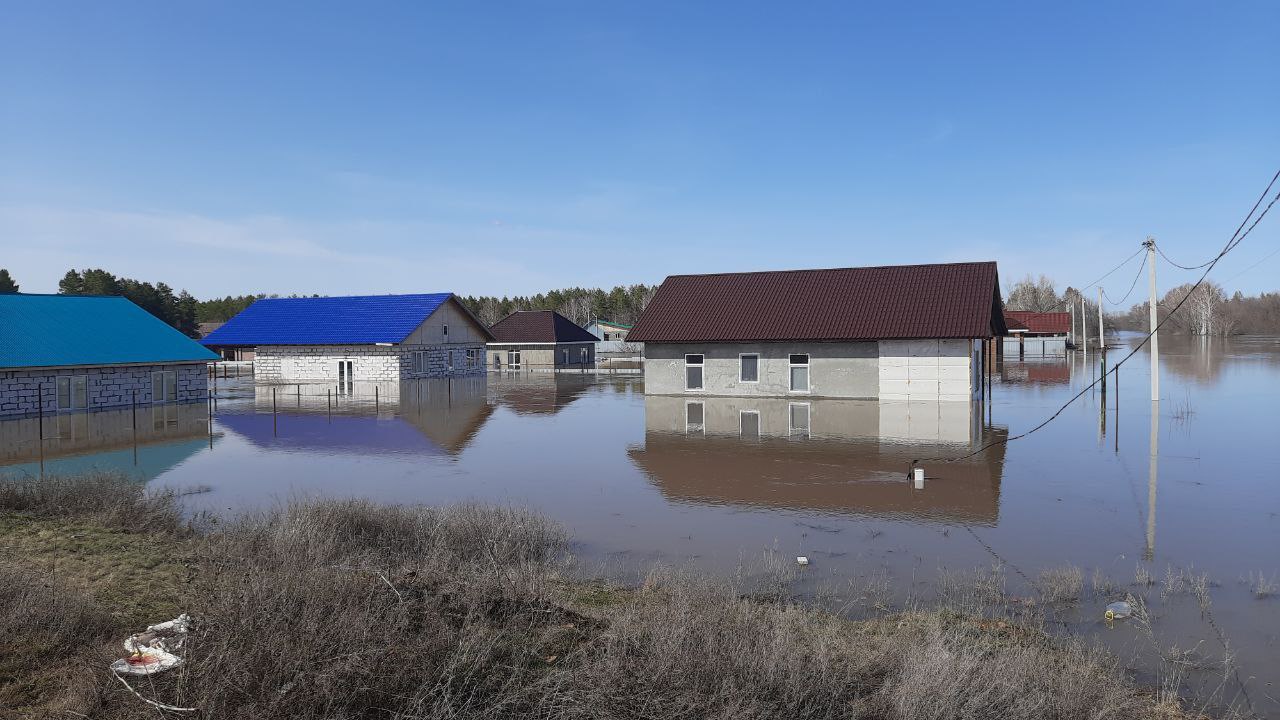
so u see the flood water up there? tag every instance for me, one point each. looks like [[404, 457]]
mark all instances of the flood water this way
[[717, 484]]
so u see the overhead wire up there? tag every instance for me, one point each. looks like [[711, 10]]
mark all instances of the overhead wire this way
[[1131, 286], [1236, 238]]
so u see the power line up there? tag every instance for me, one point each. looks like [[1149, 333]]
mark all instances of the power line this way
[[1108, 274], [1261, 260], [1236, 238], [1131, 287], [1184, 267]]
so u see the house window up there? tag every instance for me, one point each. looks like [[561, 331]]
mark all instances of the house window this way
[[749, 368], [471, 357], [565, 354], [72, 392], [749, 424], [583, 355], [799, 373], [446, 332], [798, 420], [346, 372], [164, 386], [513, 358], [694, 418], [693, 372]]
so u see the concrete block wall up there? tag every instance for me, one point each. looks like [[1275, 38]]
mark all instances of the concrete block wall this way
[[370, 363], [926, 370], [25, 392], [842, 370]]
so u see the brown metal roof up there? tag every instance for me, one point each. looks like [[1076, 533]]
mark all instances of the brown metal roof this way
[[956, 300], [1050, 323], [538, 326]]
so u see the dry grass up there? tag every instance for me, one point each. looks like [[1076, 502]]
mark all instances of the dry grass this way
[[106, 499], [1263, 587], [345, 609], [1060, 585]]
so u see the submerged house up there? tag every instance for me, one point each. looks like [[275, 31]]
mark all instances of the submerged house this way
[[608, 330], [542, 339], [1036, 334], [87, 352], [907, 332], [369, 338]]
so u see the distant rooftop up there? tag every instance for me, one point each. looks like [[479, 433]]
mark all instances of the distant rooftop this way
[[539, 326], [89, 331], [353, 320], [1040, 323]]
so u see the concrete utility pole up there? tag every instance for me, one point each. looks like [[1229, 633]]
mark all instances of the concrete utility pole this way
[[1102, 344], [1155, 337], [1102, 358], [1072, 309]]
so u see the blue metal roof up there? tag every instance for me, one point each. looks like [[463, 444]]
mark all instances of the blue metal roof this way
[[87, 330], [358, 320]]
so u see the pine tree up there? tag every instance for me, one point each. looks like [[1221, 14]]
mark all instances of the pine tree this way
[[7, 285]]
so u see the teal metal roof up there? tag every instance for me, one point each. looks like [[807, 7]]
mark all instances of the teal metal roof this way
[[87, 330]]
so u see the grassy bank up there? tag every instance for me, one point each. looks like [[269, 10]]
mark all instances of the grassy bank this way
[[346, 609]]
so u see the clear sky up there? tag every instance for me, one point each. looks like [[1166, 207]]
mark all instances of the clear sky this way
[[505, 148]]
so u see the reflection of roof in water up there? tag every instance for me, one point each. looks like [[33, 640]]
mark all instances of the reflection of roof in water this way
[[417, 429], [865, 477], [537, 393]]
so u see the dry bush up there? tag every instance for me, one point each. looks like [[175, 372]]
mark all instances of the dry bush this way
[[48, 633], [348, 609], [972, 591], [1060, 585], [107, 499]]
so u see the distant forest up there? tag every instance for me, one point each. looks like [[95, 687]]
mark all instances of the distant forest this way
[[1208, 310], [184, 312], [581, 305]]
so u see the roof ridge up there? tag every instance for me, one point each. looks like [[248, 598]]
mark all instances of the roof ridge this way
[[835, 269], [359, 297], [65, 295]]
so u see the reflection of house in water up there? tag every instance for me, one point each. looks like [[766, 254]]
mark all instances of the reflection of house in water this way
[[537, 393], [843, 456], [437, 416], [106, 440], [1036, 372]]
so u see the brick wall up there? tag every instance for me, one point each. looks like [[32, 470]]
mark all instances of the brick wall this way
[[370, 363], [24, 392]]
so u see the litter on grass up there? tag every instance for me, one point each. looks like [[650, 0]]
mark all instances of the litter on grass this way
[[155, 649]]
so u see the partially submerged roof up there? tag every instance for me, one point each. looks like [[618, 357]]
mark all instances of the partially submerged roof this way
[[539, 326], [1045, 323], [354, 320], [87, 331], [955, 300]]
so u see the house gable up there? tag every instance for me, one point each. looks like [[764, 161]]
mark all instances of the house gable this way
[[464, 327]]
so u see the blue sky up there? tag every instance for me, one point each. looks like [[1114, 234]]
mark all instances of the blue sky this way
[[509, 148]]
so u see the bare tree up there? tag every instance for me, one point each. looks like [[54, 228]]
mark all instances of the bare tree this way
[[1035, 295], [1203, 313]]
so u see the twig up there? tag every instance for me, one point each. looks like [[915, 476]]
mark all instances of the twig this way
[[152, 703], [393, 587]]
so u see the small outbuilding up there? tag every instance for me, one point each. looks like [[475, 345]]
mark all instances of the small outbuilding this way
[[1036, 334], [540, 339], [61, 353], [368, 338], [907, 332]]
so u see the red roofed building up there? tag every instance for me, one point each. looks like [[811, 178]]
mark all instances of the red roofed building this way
[[896, 332], [1038, 334]]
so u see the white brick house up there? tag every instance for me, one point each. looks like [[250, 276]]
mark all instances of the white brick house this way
[[371, 338], [72, 353]]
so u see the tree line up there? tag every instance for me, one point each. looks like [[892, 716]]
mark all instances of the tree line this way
[[622, 304], [1207, 310]]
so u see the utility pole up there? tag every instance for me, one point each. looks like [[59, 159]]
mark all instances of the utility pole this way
[[1102, 356], [1072, 309], [1155, 337]]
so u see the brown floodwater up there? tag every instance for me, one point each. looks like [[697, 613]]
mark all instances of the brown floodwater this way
[[721, 484]]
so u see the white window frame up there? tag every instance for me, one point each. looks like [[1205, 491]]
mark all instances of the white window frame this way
[[583, 355], [791, 429], [70, 382], [162, 395], [756, 355], [565, 355], [703, 374], [513, 358], [808, 373], [471, 357], [702, 426], [446, 332], [742, 415]]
